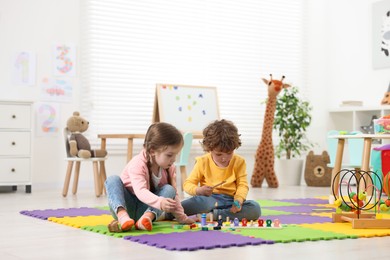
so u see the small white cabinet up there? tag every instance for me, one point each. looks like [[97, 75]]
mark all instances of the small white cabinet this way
[[16, 144]]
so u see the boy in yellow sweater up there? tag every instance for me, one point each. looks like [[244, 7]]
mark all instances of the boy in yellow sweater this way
[[218, 182]]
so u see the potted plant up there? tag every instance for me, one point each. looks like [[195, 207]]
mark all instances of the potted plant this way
[[292, 118]]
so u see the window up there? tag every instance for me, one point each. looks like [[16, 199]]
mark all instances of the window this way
[[129, 46]]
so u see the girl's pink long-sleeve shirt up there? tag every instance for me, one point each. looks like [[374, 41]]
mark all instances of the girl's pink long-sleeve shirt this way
[[135, 177]]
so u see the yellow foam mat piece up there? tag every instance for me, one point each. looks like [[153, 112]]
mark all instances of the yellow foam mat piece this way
[[346, 228], [382, 216], [322, 214], [80, 221], [322, 197], [328, 206]]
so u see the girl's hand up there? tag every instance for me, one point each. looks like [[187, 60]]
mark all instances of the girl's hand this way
[[168, 205], [204, 191], [187, 221], [236, 207]]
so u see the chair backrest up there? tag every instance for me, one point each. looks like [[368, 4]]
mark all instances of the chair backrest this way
[[185, 151], [332, 146], [66, 140], [355, 149]]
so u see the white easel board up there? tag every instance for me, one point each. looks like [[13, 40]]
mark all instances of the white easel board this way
[[189, 108]]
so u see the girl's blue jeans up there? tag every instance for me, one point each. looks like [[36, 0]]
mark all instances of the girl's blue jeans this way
[[219, 205], [119, 196]]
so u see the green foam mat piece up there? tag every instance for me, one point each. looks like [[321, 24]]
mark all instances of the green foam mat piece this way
[[103, 208], [273, 203], [292, 233], [161, 227], [272, 212]]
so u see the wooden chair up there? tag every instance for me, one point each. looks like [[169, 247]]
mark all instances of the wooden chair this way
[[184, 156], [99, 175]]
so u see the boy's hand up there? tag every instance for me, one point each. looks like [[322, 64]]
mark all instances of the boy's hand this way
[[236, 207], [168, 205], [204, 191]]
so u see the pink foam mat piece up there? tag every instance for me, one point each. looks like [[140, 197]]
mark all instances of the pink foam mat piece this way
[[59, 213], [191, 241]]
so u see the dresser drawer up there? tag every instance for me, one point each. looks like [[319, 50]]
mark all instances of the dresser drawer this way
[[14, 170], [15, 143], [15, 116]]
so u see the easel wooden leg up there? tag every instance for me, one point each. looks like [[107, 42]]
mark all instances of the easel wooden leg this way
[[183, 173], [103, 177]]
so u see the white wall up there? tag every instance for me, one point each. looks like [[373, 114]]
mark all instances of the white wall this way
[[339, 66], [36, 26], [340, 60]]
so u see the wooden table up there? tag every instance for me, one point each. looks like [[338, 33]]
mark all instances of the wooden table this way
[[130, 138], [365, 156]]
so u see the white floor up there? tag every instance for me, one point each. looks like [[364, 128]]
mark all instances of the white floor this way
[[23, 237]]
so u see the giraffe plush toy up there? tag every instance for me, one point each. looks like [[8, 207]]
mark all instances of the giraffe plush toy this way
[[264, 159]]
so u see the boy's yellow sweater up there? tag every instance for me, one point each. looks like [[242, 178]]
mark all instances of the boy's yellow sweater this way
[[206, 172]]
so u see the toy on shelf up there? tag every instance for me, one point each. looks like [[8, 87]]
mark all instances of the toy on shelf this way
[[382, 125], [369, 129], [351, 205]]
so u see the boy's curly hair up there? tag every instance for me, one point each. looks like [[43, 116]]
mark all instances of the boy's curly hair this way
[[221, 135]]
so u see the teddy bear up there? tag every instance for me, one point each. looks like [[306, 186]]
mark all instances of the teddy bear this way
[[78, 144], [317, 173]]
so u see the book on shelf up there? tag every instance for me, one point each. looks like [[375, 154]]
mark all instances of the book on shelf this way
[[351, 103]]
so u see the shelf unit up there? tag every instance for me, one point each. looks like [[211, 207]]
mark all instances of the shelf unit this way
[[351, 118]]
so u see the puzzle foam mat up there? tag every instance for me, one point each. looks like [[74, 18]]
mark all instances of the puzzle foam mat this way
[[305, 219]]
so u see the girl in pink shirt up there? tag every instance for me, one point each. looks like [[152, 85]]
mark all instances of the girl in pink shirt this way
[[147, 185]]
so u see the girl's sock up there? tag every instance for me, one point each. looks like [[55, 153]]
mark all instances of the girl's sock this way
[[124, 220], [144, 223]]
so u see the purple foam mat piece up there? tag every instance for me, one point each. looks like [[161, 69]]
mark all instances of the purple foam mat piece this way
[[299, 219], [191, 241], [306, 201], [59, 213], [301, 209]]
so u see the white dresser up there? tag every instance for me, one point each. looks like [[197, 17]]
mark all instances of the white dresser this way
[[16, 143]]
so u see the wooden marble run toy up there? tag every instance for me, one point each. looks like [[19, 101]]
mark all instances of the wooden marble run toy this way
[[350, 205]]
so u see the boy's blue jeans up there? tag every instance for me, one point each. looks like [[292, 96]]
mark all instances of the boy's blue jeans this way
[[219, 205], [119, 196]]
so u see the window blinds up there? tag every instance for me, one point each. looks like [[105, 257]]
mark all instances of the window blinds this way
[[128, 46]]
